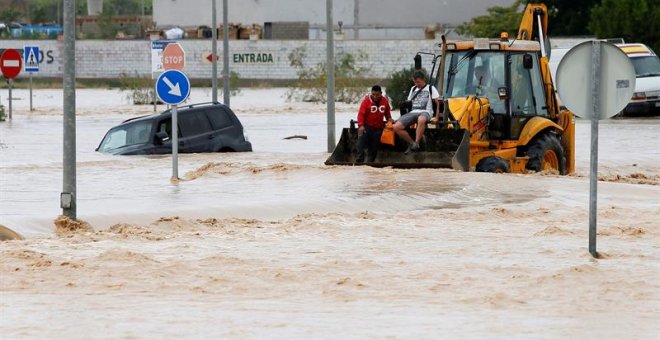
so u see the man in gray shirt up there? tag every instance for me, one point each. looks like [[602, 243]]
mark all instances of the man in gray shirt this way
[[422, 97]]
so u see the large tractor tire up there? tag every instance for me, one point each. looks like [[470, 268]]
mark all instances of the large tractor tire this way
[[546, 153], [493, 164]]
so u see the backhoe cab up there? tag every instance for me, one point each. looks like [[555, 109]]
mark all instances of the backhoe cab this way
[[500, 111]]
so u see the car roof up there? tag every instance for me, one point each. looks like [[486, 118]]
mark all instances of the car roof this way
[[182, 108], [636, 50]]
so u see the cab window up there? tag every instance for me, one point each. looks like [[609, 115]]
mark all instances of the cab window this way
[[476, 73], [527, 96]]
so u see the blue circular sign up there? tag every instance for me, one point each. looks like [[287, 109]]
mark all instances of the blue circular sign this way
[[173, 87]]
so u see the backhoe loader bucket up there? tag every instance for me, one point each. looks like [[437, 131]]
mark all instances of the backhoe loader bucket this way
[[442, 148]]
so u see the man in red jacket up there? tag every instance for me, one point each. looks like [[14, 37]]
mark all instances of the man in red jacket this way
[[370, 123]]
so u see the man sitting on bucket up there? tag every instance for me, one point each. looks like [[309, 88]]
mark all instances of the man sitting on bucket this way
[[370, 123], [422, 105]]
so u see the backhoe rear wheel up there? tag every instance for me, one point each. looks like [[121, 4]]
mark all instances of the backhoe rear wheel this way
[[493, 164], [546, 153]]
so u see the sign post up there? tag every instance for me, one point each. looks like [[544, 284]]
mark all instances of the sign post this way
[[157, 47], [10, 64], [31, 62], [173, 87], [330, 60], [596, 81]]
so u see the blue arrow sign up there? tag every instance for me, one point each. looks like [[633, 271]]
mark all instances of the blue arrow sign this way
[[31, 58], [173, 87]]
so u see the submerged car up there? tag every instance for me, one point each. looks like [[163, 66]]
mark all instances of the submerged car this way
[[206, 127], [646, 98]]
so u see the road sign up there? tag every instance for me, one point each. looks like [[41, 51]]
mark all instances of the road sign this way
[[157, 47], [31, 58], [595, 80], [208, 57], [174, 58], [615, 80], [10, 63], [173, 87]]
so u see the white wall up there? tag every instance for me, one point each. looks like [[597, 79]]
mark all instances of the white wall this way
[[111, 58]]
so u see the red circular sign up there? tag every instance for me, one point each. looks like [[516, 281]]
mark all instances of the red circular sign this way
[[11, 63]]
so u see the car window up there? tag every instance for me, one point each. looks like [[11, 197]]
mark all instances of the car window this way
[[165, 125], [128, 134], [219, 118], [194, 123]]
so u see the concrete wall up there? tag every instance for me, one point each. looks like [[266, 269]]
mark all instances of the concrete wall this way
[[261, 59]]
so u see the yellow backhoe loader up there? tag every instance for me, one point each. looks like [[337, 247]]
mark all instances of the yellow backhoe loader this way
[[500, 110]]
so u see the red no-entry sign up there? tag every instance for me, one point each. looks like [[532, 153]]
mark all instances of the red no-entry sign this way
[[11, 63]]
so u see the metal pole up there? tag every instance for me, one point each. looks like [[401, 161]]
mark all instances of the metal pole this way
[[593, 177], [356, 19], [155, 99], [11, 83], [331, 76], [31, 109], [68, 196], [225, 53], [214, 53], [175, 143]]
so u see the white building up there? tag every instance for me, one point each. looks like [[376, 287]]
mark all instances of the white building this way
[[360, 19]]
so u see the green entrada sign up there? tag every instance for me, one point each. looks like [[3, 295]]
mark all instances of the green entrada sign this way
[[253, 58]]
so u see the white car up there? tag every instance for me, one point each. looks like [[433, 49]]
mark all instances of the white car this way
[[646, 98]]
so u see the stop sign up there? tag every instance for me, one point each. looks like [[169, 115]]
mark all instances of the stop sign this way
[[174, 58], [11, 63]]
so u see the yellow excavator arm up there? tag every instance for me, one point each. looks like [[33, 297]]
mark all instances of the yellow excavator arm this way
[[534, 23]]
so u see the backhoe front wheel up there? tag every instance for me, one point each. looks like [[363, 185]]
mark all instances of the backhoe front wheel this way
[[493, 164], [546, 153]]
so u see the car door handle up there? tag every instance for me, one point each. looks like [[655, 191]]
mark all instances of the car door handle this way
[[181, 143], [211, 136]]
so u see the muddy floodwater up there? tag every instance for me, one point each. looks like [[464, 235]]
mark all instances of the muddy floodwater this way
[[273, 243]]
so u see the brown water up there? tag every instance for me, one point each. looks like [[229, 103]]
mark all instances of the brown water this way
[[275, 244]]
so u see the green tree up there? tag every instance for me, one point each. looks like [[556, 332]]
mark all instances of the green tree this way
[[568, 17], [123, 7], [38, 15], [565, 17], [351, 82], [499, 19], [399, 85], [107, 29], [10, 15], [633, 20]]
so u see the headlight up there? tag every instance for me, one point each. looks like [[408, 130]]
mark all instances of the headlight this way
[[245, 135], [639, 96]]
